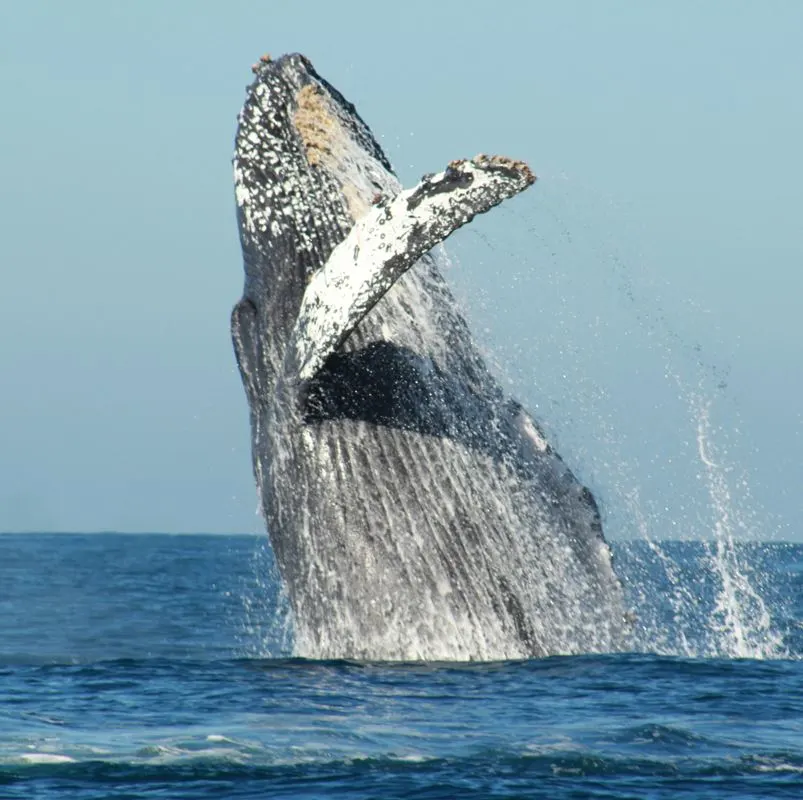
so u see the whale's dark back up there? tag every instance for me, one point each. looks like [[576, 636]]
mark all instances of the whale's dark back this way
[[415, 511]]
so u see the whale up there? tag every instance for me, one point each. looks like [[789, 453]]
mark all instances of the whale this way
[[416, 512]]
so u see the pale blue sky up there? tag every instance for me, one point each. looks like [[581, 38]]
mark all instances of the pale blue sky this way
[[668, 217]]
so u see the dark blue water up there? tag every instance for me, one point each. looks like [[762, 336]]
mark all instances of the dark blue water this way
[[159, 666]]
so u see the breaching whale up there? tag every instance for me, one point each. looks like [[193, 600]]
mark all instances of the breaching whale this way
[[415, 511]]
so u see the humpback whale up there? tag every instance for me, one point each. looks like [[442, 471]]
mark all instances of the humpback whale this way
[[415, 511]]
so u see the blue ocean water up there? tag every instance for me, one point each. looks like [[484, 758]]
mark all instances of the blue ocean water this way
[[160, 666]]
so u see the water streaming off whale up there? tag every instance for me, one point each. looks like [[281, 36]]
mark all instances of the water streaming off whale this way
[[670, 459]]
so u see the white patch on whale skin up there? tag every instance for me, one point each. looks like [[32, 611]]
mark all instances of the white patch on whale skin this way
[[386, 242], [535, 436]]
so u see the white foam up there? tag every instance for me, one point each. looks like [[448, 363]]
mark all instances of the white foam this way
[[46, 758]]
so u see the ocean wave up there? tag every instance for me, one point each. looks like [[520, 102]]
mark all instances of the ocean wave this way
[[173, 764]]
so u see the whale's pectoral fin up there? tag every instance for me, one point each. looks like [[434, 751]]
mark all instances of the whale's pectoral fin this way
[[385, 243]]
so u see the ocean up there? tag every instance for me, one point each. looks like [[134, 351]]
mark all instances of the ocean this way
[[158, 666]]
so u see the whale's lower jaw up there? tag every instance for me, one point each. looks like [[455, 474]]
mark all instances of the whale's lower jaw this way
[[415, 511]]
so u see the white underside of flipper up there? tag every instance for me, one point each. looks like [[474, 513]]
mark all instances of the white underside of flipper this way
[[384, 244]]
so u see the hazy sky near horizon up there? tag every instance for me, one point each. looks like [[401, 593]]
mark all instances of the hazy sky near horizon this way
[[655, 268]]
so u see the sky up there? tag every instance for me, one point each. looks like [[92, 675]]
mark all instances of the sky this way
[[642, 298]]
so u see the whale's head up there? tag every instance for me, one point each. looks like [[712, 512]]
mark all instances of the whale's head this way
[[306, 167]]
